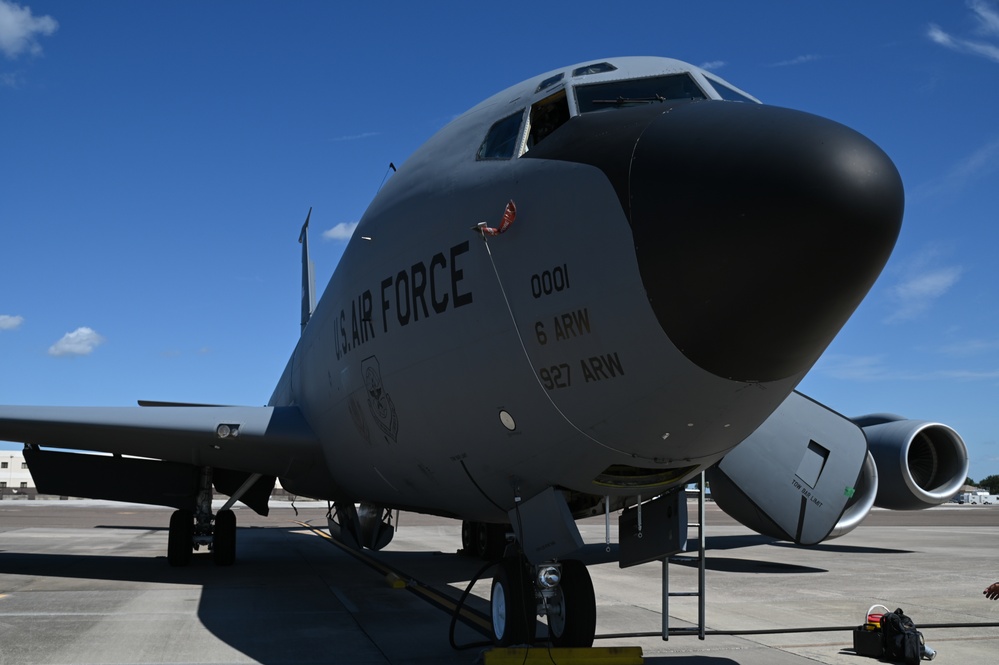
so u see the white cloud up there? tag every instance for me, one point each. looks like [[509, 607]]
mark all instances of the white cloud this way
[[8, 322], [976, 167], [987, 17], [966, 375], [921, 281], [978, 163], [929, 285], [800, 60], [869, 369], [938, 36], [341, 231], [916, 293], [354, 137], [80, 342], [10, 79], [854, 368], [714, 64], [971, 347], [19, 29]]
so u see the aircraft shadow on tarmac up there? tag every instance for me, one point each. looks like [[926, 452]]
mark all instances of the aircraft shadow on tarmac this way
[[714, 543], [288, 597], [598, 553], [846, 549], [731, 565]]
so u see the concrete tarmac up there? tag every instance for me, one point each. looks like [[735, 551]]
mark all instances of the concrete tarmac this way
[[88, 582]]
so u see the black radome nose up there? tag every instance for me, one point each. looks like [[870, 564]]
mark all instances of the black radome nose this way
[[758, 231]]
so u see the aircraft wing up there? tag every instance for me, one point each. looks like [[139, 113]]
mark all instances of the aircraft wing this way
[[235, 441]]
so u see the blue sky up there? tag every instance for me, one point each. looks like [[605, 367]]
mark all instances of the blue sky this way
[[158, 158]]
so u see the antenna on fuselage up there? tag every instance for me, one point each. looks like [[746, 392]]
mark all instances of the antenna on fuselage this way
[[308, 275], [391, 167]]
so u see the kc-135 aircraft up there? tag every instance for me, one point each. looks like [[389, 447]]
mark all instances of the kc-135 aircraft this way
[[574, 298]]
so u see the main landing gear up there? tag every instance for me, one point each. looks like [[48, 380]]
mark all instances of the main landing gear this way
[[189, 530]]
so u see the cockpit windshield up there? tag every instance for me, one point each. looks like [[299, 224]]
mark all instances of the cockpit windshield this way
[[632, 92], [729, 94]]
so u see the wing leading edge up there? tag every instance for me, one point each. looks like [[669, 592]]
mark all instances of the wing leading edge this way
[[233, 440]]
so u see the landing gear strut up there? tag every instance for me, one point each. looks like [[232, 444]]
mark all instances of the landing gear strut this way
[[563, 592], [483, 540]]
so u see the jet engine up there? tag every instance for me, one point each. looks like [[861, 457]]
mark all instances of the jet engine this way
[[920, 464], [808, 474]]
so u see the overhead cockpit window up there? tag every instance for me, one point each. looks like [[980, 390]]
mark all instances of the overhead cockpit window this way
[[547, 115], [633, 92], [729, 94], [550, 81], [502, 139], [597, 68]]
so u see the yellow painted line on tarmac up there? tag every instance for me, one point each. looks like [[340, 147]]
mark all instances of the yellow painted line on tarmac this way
[[393, 577]]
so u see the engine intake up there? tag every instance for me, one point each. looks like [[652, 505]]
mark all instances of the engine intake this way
[[920, 463]]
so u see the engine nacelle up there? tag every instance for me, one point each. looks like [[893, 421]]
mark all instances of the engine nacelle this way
[[920, 464], [866, 490], [808, 474]]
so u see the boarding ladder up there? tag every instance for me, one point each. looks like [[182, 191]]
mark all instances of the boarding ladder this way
[[699, 594]]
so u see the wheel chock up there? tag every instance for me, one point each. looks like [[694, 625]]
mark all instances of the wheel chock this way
[[564, 656]]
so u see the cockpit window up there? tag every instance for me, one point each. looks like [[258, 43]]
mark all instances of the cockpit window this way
[[728, 93], [549, 82], [501, 140], [632, 92], [597, 68], [547, 115]]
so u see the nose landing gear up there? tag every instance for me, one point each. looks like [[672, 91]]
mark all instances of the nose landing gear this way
[[521, 592]]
